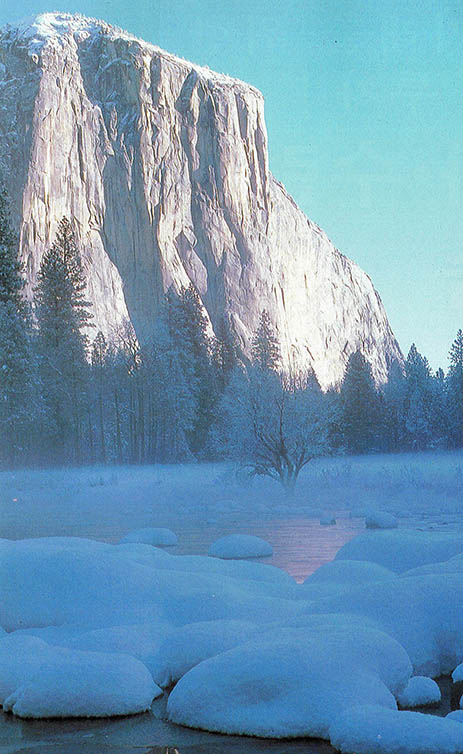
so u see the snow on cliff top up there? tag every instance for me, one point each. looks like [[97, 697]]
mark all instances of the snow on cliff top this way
[[49, 27]]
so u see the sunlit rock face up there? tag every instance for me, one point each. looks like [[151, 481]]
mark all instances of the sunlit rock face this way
[[164, 167]]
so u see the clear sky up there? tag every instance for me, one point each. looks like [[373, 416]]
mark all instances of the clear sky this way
[[364, 112]]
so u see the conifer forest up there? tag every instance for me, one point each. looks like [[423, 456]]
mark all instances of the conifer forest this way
[[71, 396]]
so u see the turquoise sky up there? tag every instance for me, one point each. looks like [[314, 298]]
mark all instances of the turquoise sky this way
[[364, 113]]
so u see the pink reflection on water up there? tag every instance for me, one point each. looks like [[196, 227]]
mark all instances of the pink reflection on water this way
[[300, 545]]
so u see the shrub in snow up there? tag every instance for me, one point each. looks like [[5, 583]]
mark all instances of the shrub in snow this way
[[372, 729], [291, 682], [150, 536], [189, 645], [85, 684], [402, 549], [380, 520], [420, 692], [240, 546]]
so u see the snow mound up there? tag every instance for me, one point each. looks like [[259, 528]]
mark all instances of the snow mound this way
[[424, 613], [380, 520], [290, 682], [20, 658], [403, 549], [349, 572], [419, 692], [457, 674], [372, 729], [240, 546], [151, 536], [456, 715], [189, 645], [97, 585], [140, 641], [237, 569], [342, 576], [85, 684]]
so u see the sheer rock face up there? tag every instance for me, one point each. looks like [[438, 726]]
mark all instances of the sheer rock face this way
[[164, 167]]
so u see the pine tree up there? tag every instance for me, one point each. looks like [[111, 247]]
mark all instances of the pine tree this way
[[418, 403], [394, 393], [265, 347], [454, 402], [63, 317], [188, 329], [225, 353], [99, 374], [359, 406], [17, 407]]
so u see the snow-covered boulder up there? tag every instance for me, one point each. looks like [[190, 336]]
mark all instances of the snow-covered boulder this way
[[380, 520], [50, 584], [424, 613], [341, 576], [349, 572], [291, 682], [372, 729], [151, 536], [20, 658], [237, 569], [456, 715], [457, 675], [189, 645], [84, 684], [240, 546], [420, 692], [140, 640], [402, 549]]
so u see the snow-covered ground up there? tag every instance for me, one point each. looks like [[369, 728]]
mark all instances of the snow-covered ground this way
[[250, 651]]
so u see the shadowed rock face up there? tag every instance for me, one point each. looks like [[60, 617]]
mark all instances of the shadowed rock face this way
[[164, 167]]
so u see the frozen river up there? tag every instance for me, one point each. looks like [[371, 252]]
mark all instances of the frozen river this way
[[202, 504], [300, 546]]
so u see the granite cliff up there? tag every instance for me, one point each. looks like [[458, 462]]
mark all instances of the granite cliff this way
[[164, 167]]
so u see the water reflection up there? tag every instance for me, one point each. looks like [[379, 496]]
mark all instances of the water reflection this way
[[300, 545]]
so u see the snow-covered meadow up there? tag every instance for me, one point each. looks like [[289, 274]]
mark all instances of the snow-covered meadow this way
[[96, 628]]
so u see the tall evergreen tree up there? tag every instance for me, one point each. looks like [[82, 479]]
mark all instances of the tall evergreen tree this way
[[359, 406], [225, 353], [17, 407], [394, 392], [455, 392], [99, 374], [419, 400], [265, 346], [188, 328], [175, 397], [63, 317]]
